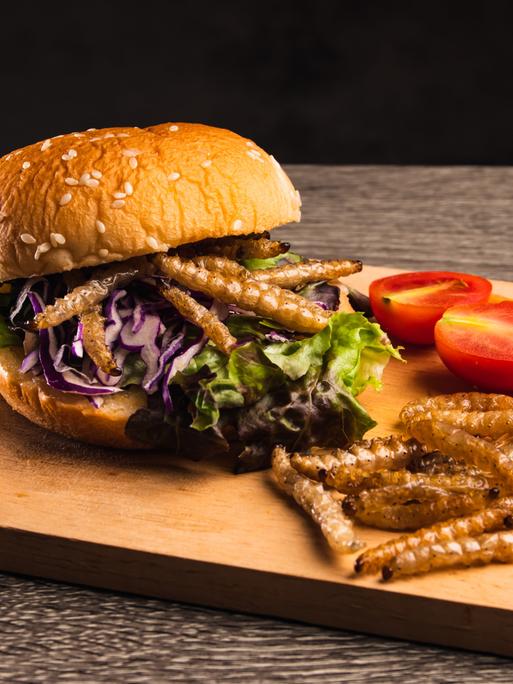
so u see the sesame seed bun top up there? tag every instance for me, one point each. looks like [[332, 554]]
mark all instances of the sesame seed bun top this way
[[89, 198]]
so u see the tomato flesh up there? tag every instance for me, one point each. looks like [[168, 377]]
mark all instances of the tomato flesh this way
[[476, 344], [408, 305]]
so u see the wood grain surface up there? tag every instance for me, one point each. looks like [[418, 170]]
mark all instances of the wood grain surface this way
[[404, 217]]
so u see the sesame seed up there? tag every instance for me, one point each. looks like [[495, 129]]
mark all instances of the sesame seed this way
[[65, 199], [152, 242], [95, 139], [100, 226], [92, 183], [91, 129], [71, 181], [237, 224], [174, 176], [109, 135], [103, 252], [173, 128], [96, 174], [123, 135], [133, 162], [118, 203], [78, 135], [28, 239], [46, 145], [205, 164], [131, 152], [129, 188], [119, 195], [70, 154], [25, 165], [84, 178], [55, 137], [41, 249], [8, 157], [254, 154], [57, 239], [249, 143]]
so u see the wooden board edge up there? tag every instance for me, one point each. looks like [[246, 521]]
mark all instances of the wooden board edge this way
[[343, 606]]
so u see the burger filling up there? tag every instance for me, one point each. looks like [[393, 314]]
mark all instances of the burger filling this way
[[238, 343]]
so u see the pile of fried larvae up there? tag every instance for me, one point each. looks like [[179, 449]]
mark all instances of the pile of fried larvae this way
[[450, 481], [209, 267]]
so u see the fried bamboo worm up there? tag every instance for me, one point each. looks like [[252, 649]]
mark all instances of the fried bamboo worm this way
[[460, 444], [485, 548], [392, 453], [295, 275], [392, 510], [222, 264], [493, 424], [317, 503], [194, 312], [237, 247], [435, 463], [487, 520], [347, 480], [460, 401], [94, 341], [284, 307], [95, 290]]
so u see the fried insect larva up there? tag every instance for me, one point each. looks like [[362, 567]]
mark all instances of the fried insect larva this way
[[318, 462], [194, 312], [100, 354], [487, 520], [222, 264], [294, 275], [435, 463], [396, 494], [377, 508], [392, 452], [459, 401], [317, 502], [460, 444], [493, 424], [250, 248], [95, 290], [485, 548], [285, 307], [237, 247], [347, 480]]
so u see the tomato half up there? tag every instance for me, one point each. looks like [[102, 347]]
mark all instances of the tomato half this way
[[408, 305], [476, 343]]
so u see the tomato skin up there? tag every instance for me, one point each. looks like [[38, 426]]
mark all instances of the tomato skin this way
[[475, 353], [413, 318]]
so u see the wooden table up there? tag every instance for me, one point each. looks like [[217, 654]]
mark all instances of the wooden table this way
[[459, 218]]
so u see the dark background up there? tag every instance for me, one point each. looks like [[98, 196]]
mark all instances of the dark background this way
[[337, 82]]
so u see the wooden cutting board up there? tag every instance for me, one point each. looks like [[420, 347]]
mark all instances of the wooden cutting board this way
[[192, 531]]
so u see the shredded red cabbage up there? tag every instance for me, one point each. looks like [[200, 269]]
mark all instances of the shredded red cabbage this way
[[147, 327]]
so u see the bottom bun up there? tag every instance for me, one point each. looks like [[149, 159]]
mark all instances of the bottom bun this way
[[68, 414]]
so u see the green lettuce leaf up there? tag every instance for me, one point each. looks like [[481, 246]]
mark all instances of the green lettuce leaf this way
[[7, 337], [288, 258], [294, 393], [230, 382]]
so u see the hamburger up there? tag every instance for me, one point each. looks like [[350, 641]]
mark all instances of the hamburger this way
[[144, 304]]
